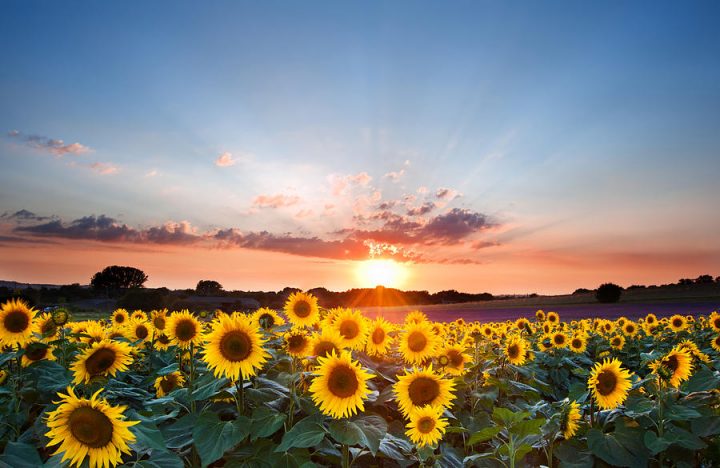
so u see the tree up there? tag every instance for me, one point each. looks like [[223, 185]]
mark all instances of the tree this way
[[704, 279], [116, 278], [608, 292], [146, 299], [208, 288]]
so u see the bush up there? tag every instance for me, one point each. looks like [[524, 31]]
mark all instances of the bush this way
[[608, 292]]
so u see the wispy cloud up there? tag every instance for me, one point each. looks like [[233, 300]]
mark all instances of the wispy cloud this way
[[225, 160], [53, 146], [395, 176], [340, 183], [446, 194], [104, 168], [275, 201]]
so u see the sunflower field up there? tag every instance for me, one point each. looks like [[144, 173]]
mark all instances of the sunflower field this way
[[309, 387]]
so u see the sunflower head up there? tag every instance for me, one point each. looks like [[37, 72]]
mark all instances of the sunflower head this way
[[326, 342], [17, 323], [340, 385], [617, 342], [167, 383], [60, 316], [456, 359], [569, 421], [420, 387], [89, 428], [101, 359], [352, 326], [540, 316], [159, 319], [37, 351], [418, 342], [297, 343], [609, 384], [515, 350], [578, 343], [267, 318], [675, 367], [379, 339], [415, 317], [425, 425], [184, 329], [677, 323], [120, 317], [302, 309], [234, 347]]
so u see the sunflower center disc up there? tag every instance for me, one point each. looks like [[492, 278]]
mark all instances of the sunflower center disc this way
[[513, 351], [185, 330], [378, 336], [672, 363], [349, 329], [90, 427], [16, 321], [296, 342], [100, 361], [159, 323], [302, 309], [417, 341], [48, 327], [342, 382], [559, 339], [423, 391], [716, 323], [267, 320], [35, 351], [607, 381], [456, 358], [235, 346], [324, 348], [142, 332], [163, 339], [677, 323], [168, 383], [576, 343], [426, 424], [119, 318]]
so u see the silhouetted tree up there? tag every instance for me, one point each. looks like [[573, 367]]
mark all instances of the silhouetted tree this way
[[115, 278], [685, 281], [581, 291], [704, 279], [608, 292], [145, 299], [208, 288]]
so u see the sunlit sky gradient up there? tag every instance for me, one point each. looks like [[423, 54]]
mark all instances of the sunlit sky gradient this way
[[505, 147]]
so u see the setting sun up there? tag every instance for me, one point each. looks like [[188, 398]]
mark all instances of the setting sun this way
[[386, 273]]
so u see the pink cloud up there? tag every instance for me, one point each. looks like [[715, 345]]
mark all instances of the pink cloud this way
[[339, 183], [53, 146], [225, 160], [103, 168], [275, 201]]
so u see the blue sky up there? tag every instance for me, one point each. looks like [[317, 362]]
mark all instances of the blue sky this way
[[569, 127]]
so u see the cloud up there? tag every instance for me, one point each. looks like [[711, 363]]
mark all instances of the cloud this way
[[103, 168], [151, 173], [275, 201], [481, 244], [421, 210], [23, 215], [395, 175], [393, 236], [225, 160], [339, 183], [446, 194], [50, 145]]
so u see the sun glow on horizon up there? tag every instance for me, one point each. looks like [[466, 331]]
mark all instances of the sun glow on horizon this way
[[381, 272]]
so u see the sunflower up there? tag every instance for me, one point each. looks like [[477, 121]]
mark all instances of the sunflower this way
[[540, 316], [139, 330], [297, 343], [677, 323], [426, 427], [456, 359], [184, 329], [340, 385], [630, 328], [522, 324], [234, 347], [47, 326], [138, 315], [37, 351], [617, 342], [714, 321], [159, 319], [559, 340], [101, 359], [352, 326], [115, 332], [578, 343], [324, 343], [609, 383], [651, 319], [421, 387], [302, 309], [17, 323], [120, 317], [95, 332], [267, 318], [415, 317], [91, 429], [418, 342], [569, 421], [167, 383], [715, 343], [694, 351], [515, 350], [675, 367], [60, 316], [553, 317], [162, 342], [379, 339]]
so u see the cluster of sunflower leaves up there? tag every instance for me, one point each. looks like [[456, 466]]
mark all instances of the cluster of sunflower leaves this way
[[533, 392]]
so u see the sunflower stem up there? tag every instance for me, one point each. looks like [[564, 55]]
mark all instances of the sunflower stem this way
[[191, 377], [291, 408], [345, 456], [240, 395]]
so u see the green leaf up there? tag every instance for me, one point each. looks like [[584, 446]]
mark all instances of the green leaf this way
[[168, 369], [678, 412], [611, 449], [365, 431], [528, 427], [20, 455], [148, 436], [395, 447], [208, 386], [161, 459], [706, 426], [702, 380], [180, 434], [508, 417], [654, 443], [213, 437], [573, 454], [683, 438], [484, 435], [265, 422], [307, 432]]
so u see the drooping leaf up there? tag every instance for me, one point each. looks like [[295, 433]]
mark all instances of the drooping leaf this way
[[213, 436]]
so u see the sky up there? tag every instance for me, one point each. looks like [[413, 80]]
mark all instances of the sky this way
[[509, 147]]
